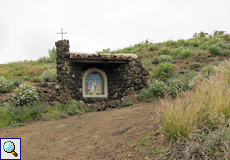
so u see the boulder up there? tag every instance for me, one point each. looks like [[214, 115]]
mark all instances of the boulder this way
[[112, 104]]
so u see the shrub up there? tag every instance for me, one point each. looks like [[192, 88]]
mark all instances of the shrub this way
[[147, 64], [145, 95], [162, 58], [226, 37], [215, 50], [215, 144], [17, 82], [157, 89], [49, 75], [165, 51], [126, 102], [153, 48], [186, 53], [207, 71], [52, 54], [26, 113], [225, 53], [175, 87], [174, 53], [6, 85], [25, 94], [195, 43], [164, 71], [73, 107]]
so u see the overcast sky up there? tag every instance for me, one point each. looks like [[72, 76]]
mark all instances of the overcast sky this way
[[28, 28]]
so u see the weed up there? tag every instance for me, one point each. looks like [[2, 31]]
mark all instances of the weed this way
[[61, 126], [146, 140], [164, 71]]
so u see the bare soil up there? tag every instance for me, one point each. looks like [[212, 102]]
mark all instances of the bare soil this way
[[110, 135]]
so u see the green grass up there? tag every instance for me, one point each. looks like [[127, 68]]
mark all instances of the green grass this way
[[11, 115]]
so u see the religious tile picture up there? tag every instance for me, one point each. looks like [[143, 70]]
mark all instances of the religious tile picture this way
[[94, 84]]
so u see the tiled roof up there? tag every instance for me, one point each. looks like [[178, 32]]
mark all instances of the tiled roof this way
[[76, 55]]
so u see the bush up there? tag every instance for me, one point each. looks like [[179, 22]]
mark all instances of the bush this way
[[174, 53], [6, 85], [162, 58], [126, 102], [73, 107], [25, 94], [186, 53], [165, 51], [26, 113], [153, 48], [195, 43], [145, 95], [17, 82], [207, 71], [175, 87], [157, 89], [49, 75], [225, 53], [215, 50], [164, 71]]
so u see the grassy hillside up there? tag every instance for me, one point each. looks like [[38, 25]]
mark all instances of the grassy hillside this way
[[190, 76]]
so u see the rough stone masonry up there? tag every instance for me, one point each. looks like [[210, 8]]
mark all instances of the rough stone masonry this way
[[116, 77]]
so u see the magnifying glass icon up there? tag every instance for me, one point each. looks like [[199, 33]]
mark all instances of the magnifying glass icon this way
[[9, 147]]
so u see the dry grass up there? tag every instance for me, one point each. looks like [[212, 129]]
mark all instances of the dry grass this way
[[207, 105]]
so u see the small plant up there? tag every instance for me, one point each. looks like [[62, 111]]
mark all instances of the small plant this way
[[146, 140], [153, 48], [215, 50], [147, 64], [164, 71], [49, 75], [126, 102], [52, 54], [61, 126], [17, 82], [195, 43], [136, 102], [186, 53], [175, 87], [145, 95], [74, 107], [165, 51], [225, 53], [162, 58], [6, 85], [157, 89], [207, 71], [25, 94]]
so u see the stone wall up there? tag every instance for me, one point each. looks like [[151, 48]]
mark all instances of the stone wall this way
[[125, 80]]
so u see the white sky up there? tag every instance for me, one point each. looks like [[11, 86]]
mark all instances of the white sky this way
[[28, 28]]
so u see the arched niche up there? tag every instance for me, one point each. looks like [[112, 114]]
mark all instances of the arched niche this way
[[94, 84]]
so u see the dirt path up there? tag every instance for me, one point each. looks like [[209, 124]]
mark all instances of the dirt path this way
[[112, 134]]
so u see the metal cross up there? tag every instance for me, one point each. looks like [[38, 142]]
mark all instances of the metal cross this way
[[62, 33]]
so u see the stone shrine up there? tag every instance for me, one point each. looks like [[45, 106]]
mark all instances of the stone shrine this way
[[99, 80]]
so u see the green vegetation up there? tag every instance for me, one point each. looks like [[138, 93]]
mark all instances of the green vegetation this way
[[18, 115], [6, 85], [187, 75], [25, 94], [49, 75]]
